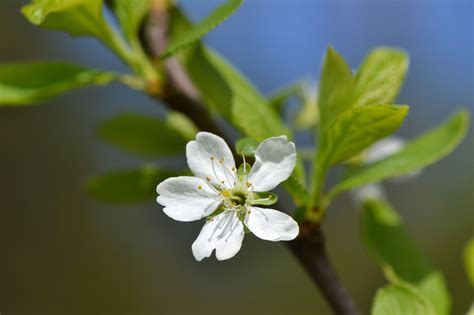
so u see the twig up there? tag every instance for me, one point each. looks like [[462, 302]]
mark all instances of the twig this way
[[180, 94]]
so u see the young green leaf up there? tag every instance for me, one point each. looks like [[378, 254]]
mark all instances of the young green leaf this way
[[469, 260], [142, 135], [246, 146], [380, 77], [34, 82], [127, 187], [202, 28], [399, 300], [250, 110], [78, 17], [357, 128], [336, 88], [421, 152], [130, 14], [234, 96], [400, 259]]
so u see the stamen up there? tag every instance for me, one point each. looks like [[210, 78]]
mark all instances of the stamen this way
[[199, 187], [225, 168]]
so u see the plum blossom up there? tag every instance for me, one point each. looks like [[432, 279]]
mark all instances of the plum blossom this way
[[227, 196]]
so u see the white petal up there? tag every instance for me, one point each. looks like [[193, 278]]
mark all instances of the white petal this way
[[187, 198], [210, 157], [271, 225], [275, 159], [383, 148], [224, 233]]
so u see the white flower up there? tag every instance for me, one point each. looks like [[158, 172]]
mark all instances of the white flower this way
[[379, 151], [227, 196]]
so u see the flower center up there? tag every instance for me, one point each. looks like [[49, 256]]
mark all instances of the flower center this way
[[235, 197]]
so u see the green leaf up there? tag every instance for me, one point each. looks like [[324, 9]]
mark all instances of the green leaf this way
[[380, 77], [357, 128], [234, 96], [34, 82], [202, 28], [127, 187], [227, 91], [399, 300], [400, 259], [246, 146], [78, 17], [130, 14], [469, 260], [263, 198], [250, 110], [142, 135], [421, 152], [336, 88], [211, 84]]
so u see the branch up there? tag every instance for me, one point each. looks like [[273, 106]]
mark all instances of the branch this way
[[180, 94]]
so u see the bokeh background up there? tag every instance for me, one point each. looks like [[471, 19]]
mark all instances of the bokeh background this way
[[63, 253]]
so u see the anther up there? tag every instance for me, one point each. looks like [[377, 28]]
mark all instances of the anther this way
[[208, 178], [199, 187]]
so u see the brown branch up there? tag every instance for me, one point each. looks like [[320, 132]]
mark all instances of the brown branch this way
[[180, 94]]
